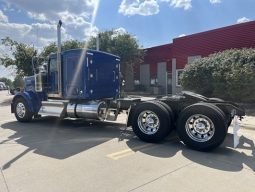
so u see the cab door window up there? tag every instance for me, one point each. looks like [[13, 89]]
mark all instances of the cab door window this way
[[53, 74]]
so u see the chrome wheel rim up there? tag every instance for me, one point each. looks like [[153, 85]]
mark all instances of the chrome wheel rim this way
[[148, 122], [21, 110], [200, 128]]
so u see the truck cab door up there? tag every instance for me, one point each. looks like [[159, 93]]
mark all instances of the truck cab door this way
[[53, 78]]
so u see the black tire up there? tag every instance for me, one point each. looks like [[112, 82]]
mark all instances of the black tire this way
[[160, 117], [219, 110], [170, 113], [228, 117], [21, 110], [210, 131], [167, 107]]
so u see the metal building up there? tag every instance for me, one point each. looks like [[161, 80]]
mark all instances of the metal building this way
[[164, 64]]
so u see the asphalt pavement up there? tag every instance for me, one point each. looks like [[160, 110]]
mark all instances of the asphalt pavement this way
[[49, 154]]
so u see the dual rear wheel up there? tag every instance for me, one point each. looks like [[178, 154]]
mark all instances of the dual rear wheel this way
[[200, 126], [152, 122]]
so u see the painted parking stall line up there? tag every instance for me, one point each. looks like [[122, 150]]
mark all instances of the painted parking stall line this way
[[127, 152]]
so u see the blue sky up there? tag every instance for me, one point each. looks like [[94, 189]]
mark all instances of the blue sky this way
[[153, 22], [171, 21]]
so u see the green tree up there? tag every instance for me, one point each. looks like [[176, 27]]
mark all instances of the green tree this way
[[52, 47], [7, 82], [19, 82], [229, 75], [21, 56], [72, 44], [125, 46]]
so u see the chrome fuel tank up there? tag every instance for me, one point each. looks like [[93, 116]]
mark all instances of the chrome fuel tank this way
[[88, 110]]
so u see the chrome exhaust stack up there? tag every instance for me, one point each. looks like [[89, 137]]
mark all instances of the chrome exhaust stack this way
[[59, 59], [98, 42]]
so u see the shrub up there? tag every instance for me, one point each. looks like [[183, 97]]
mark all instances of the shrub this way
[[229, 75]]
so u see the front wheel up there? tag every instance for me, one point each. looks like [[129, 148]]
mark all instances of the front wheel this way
[[22, 112], [202, 126]]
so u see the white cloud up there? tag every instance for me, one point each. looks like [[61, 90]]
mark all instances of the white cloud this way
[[185, 4], [77, 15], [139, 7], [37, 34], [14, 29], [243, 20], [37, 16], [3, 17], [215, 1], [182, 35], [51, 8], [7, 72], [119, 31], [91, 32], [71, 19], [150, 7]]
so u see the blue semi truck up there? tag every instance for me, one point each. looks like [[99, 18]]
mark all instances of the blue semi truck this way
[[83, 83]]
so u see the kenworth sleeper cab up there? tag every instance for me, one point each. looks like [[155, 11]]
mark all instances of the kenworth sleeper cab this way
[[84, 83]]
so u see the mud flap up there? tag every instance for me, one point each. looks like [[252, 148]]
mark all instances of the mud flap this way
[[236, 128]]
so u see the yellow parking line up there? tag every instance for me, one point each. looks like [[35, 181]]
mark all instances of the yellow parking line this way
[[128, 152]]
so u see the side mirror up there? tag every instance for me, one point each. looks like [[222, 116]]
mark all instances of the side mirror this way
[[42, 68], [123, 83]]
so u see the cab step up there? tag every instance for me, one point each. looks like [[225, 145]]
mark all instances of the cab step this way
[[53, 108]]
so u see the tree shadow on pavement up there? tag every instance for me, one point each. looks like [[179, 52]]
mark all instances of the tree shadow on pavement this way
[[59, 139], [224, 158]]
